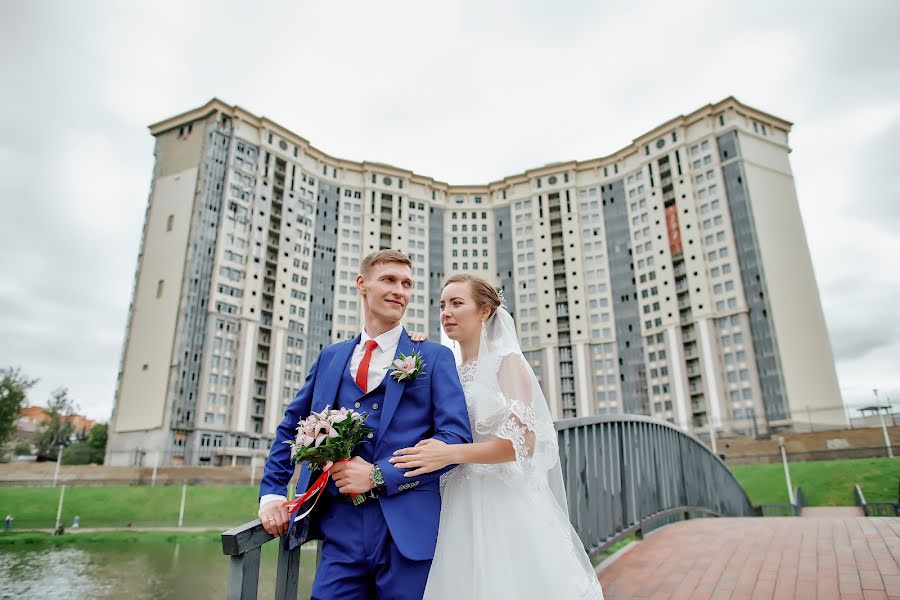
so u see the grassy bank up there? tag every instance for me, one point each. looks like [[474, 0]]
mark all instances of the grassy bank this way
[[141, 506], [106, 537], [825, 483]]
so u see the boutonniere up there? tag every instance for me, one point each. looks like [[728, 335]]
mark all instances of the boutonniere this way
[[408, 368]]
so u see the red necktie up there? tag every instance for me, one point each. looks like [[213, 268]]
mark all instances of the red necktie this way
[[362, 374]]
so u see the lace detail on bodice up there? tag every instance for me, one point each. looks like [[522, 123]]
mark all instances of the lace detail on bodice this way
[[467, 376]]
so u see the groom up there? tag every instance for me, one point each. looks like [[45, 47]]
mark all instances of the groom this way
[[383, 547]]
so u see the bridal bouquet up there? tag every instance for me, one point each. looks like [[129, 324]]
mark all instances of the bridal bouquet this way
[[324, 439]]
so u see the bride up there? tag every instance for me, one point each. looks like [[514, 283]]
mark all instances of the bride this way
[[504, 530]]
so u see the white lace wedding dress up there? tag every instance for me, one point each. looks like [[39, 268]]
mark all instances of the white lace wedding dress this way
[[504, 531]]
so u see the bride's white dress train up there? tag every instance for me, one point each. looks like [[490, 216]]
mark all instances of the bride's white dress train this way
[[504, 531]]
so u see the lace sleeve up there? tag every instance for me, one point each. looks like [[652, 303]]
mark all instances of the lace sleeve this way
[[519, 425]]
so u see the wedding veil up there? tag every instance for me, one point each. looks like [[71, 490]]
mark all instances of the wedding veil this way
[[508, 403]]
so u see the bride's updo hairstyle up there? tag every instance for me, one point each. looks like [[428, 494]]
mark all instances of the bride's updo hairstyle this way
[[483, 293]]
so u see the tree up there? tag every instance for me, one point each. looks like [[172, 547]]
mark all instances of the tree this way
[[14, 388], [90, 450], [97, 441], [57, 430]]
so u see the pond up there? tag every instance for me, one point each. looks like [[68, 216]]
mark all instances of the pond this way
[[192, 568]]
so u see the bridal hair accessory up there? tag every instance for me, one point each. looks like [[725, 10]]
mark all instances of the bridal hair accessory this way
[[408, 368], [502, 299]]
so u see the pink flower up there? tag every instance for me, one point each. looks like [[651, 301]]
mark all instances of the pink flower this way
[[323, 430], [406, 366]]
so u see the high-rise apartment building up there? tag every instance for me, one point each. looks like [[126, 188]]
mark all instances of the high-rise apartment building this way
[[671, 278]]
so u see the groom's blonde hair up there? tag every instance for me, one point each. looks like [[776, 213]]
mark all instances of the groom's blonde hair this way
[[383, 256], [483, 292]]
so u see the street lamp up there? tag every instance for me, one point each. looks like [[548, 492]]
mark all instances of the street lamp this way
[[58, 462], [887, 439], [787, 473]]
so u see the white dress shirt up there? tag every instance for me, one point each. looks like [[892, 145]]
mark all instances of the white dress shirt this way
[[381, 360], [382, 356]]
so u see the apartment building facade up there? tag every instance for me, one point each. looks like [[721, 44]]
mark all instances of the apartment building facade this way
[[671, 278]]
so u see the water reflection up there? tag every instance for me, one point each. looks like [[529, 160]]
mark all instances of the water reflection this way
[[135, 570]]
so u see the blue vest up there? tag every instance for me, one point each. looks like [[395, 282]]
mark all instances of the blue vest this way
[[350, 396]]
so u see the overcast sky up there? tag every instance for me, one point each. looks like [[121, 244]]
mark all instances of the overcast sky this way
[[466, 92]]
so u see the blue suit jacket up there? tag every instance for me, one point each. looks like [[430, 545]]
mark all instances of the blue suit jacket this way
[[431, 406]]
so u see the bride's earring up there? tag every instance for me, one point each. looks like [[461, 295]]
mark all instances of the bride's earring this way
[[483, 330]]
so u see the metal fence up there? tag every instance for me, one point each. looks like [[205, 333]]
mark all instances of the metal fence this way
[[814, 455], [624, 475]]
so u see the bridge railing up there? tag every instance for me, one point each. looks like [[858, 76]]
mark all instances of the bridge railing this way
[[623, 474], [877, 509]]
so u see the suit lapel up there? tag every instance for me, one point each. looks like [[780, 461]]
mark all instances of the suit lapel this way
[[394, 389], [328, 392]]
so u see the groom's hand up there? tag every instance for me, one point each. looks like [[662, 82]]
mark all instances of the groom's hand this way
[[275, 517], [353, 476]]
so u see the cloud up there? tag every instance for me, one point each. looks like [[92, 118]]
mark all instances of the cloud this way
[[465, 92]]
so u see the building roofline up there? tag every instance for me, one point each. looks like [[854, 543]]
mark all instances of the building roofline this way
[[708, 111]]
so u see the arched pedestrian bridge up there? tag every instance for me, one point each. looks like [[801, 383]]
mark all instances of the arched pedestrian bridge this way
[[630, 475]]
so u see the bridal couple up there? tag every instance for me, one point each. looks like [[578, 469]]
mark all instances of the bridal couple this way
[[461, 472]]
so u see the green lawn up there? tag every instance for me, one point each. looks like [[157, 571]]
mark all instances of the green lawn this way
[[824, 483], [142, 506], [827, 483]]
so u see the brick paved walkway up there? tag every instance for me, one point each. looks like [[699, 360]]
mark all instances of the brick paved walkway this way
[[762, 558], [832, 512]]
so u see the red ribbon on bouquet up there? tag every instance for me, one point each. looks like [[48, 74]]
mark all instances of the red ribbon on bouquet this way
[[315, 489]]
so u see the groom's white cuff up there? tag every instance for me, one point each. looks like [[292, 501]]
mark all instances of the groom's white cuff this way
[[270, 497]]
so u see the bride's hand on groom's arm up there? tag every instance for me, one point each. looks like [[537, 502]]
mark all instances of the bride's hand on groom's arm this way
[[425, 457]]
